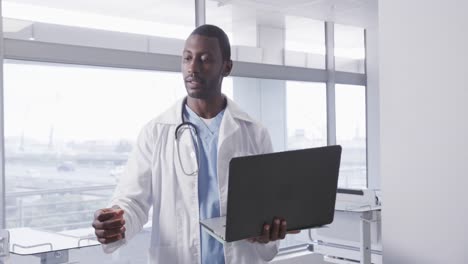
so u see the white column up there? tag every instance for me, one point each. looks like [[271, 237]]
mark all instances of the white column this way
[[200, 14], [372, 108], [2, 132], [330, 66], [265, 100], [271, 40], [247, 95]]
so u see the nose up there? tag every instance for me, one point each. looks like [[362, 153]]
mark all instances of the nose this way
[[193, 66]]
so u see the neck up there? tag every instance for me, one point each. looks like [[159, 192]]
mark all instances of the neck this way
[[207, 108]]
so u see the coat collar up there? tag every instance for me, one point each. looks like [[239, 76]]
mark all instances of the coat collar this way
[[173, 116]]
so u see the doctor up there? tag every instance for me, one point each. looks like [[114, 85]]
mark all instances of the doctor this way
[[180, 167]]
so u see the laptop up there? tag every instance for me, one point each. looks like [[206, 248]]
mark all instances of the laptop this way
[[298, 186]]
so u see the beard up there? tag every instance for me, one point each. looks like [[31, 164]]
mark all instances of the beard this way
[[199, 93], [205, 91]]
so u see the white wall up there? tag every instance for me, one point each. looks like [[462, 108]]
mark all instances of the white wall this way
[[424, 130]]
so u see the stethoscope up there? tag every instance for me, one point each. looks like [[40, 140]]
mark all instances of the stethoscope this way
[[180, 129]]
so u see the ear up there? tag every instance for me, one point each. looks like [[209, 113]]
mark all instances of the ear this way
[[227, 68]]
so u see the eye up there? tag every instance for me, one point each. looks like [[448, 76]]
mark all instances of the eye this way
[[186, 58], [205, 58]]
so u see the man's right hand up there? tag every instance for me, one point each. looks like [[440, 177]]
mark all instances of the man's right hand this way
[[109, 225]]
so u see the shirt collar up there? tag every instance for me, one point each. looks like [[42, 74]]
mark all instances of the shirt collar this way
[[174, 114], [213, 127]]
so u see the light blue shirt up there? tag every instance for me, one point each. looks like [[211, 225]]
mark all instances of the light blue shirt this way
[[212, 251]]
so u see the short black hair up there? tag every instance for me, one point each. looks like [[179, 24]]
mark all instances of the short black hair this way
[[213, 31]]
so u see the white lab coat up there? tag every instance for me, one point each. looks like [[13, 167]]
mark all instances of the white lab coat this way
[[153, 177]]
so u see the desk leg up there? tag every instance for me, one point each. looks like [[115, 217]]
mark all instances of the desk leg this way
[[366, 237]]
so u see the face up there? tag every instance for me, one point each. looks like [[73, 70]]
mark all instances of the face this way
[[203, 67]]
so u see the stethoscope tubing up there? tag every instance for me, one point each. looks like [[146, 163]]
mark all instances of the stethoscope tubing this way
[[193, 128]]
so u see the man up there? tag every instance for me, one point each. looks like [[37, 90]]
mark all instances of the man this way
[[182, 169]]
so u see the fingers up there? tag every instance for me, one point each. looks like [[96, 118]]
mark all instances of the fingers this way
[[252, 239], [107, 213], [108, 233], [283, 229], [106, 236], [265, 237], [109, 225], [275, 230], [110, 239]]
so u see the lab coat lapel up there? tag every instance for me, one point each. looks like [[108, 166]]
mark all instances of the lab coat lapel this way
[[187, 204], [173, 115], [226, 147], [228, 127]]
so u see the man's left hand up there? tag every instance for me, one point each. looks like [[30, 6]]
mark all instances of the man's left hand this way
[[273, 232]]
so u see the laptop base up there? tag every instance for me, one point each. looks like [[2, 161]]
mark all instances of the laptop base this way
[[216, 227]]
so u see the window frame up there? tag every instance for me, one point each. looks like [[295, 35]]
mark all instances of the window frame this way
[[26, 50]]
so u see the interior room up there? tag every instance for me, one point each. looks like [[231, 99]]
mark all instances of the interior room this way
[[384, 79]]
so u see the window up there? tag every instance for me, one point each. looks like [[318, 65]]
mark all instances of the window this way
[[351, 134], [62, 157], [68, 132], [252, 40], [141, 25], [306, 115], [305, 42], [269, 35], [350, 52], [242, 31], [258, 97]]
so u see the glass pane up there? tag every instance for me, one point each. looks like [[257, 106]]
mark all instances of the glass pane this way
[[142, 25], [267, 34], [305, 42], [242, 32], [306, 114], [350, 50], [351, 135], [227, 88], [258, 97], [68, 133]]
